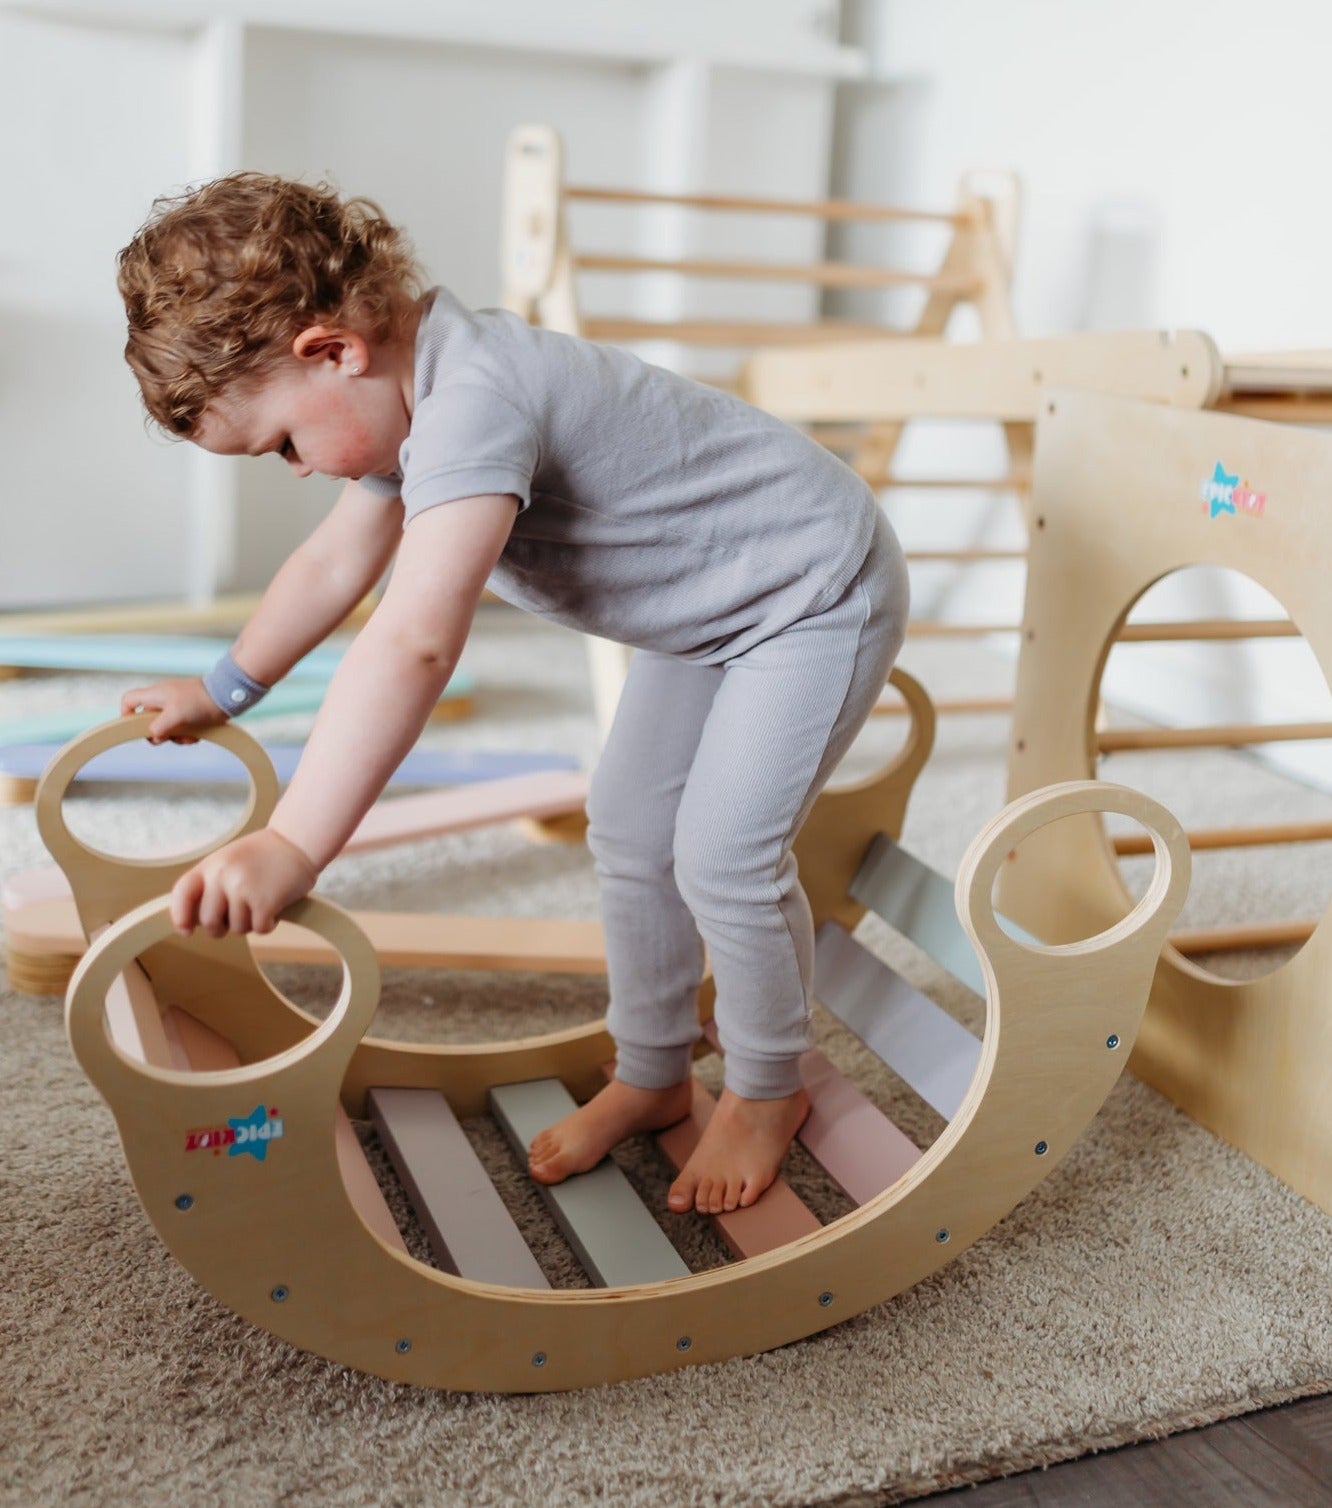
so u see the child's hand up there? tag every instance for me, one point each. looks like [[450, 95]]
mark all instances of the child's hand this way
[[242, 887], [184, 706]]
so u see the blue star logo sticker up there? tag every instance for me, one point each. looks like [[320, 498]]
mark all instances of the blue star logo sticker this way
[[253, 1133], [1220, 492]]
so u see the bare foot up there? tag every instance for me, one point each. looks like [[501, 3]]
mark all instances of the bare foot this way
[[739, 1153], [582, 1138]]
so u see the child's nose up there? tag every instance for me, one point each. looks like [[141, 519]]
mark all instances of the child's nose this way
[[301, 468]]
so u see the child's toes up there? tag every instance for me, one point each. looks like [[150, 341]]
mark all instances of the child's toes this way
[[683, 1193]]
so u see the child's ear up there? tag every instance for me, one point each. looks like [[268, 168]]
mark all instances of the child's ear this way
[[345, 349]]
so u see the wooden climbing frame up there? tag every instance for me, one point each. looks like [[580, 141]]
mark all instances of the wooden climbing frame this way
[[1126, 494]]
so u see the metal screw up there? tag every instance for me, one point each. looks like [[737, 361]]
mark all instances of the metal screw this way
[[403, 1346], [1042, 1147], [684, 1343], [539, 1360], [184, 1201], [279, 1294], [825, 1298], [942, 1235], [1112, 1041]]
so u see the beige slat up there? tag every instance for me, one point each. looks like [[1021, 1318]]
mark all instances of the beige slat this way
[[824, 209], [825, 274]]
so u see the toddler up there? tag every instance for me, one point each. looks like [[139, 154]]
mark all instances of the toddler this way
[[753, 573]]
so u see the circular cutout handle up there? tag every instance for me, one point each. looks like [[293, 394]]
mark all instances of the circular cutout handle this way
[[335, 1039], [990, 849], [73, 855]]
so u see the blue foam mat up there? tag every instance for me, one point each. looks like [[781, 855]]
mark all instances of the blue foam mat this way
[[206, 761]]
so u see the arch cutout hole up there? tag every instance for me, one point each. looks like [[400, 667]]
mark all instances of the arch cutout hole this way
[[1221, 722], [142, 801], [1069, 915]]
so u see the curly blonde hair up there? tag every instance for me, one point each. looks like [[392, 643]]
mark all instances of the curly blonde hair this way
[[219, 281]]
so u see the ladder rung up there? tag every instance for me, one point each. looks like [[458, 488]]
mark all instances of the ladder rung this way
[[824, 209], [1223, 736], [702, 332], [471, 1232], [923, 629], [1127, 844], [610, 1229], [1234, 939], [1209, 628], [824, 274]]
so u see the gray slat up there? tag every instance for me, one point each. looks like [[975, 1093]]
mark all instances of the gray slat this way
[[918, 1040], [613, 1235], [471, 1232], [918, 902]]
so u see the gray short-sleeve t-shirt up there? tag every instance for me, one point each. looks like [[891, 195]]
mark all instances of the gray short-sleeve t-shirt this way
[[656, 511]]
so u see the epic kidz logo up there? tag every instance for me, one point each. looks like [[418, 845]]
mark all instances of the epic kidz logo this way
[[1222, 493], [242, 1133]]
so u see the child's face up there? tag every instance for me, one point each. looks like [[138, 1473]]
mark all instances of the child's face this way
[[318, 415]]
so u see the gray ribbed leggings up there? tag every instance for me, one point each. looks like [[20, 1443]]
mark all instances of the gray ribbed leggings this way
[[706, 777]]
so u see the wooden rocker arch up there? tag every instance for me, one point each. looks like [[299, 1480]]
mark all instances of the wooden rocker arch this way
[[281, 1238]]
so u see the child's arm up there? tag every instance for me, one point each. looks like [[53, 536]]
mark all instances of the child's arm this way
[[314, 590], [377, 703]]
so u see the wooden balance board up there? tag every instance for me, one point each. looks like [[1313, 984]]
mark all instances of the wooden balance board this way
[[205, 762], [302, 690], [233, 1107], [45, 937]]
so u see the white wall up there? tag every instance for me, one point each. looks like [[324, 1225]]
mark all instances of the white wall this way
[[1173, 155], [82, 152], [106, 103]]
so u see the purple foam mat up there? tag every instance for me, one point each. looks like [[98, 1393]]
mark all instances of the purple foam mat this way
[[208, 762]]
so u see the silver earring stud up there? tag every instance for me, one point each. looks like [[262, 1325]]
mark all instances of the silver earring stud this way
[[356, 371]]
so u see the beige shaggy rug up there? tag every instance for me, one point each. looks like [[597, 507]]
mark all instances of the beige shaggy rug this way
[[1155, 1281]]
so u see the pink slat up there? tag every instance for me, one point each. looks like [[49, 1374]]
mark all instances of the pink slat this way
[[777, 1217], [857, 1145], [850, 1137], [549, 793]]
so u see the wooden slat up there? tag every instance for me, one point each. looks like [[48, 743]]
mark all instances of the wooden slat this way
[[824, 209], [480, 770], [884, 481], [553, 793], [1209, 628], [726, 332], [44, 928], [930, 1051], [845, 1131], [471, 1232], [1242, 938], [921, 628], [965, 705], [1127, 844], [918, 902], [613, 1235], [969, 557], [778, 1217], [852, 1140], [1223, 736], [824, 274]]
